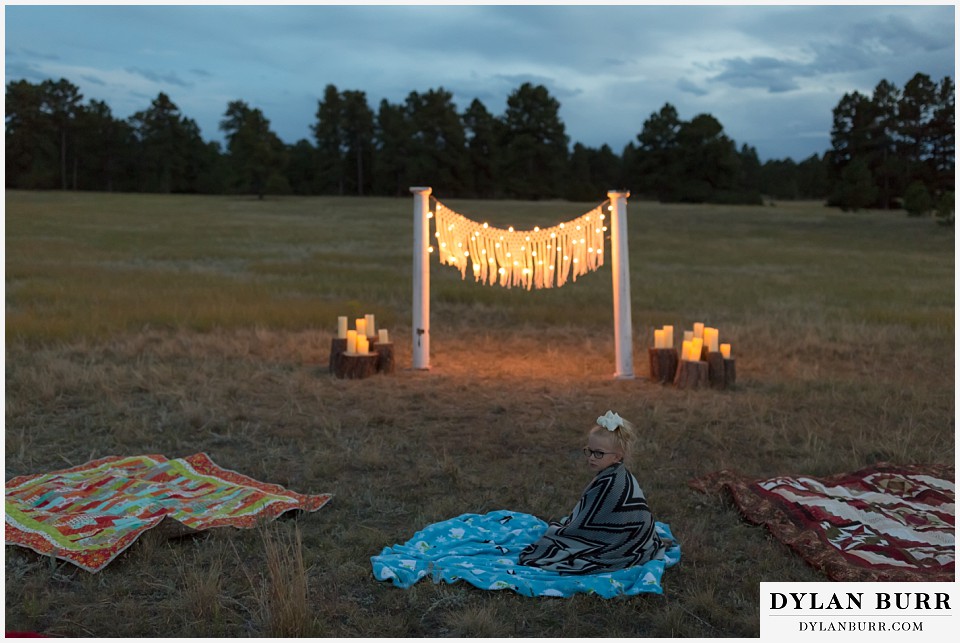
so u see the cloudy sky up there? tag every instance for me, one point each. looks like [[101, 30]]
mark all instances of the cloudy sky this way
[[770, 74]]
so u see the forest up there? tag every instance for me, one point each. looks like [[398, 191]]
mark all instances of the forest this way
[[892, 149]]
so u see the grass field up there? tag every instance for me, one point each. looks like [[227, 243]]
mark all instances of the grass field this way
[[178, 324]]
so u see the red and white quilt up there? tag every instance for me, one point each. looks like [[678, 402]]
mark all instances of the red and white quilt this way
[[882, 523]]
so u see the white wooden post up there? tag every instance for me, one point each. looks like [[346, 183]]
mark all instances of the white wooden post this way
[[421, 278], [620, 266]]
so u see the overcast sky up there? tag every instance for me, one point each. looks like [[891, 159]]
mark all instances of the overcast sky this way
[[770, 74]]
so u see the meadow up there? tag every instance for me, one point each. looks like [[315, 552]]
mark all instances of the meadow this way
[[170, 324]]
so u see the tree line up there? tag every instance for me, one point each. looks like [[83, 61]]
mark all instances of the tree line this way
[[882, 147], [895, 148]]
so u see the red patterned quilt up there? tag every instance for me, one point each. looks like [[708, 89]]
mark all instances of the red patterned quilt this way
[[882, 523], [91, 513]]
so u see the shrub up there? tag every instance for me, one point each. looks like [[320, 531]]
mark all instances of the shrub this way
[[945, 205], [856, 189], [917, 200]]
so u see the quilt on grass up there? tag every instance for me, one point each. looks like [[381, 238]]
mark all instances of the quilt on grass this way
[[881, 523], [91, 513], [483, 550]]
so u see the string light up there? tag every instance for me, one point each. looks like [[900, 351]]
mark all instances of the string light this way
[[538, 258]]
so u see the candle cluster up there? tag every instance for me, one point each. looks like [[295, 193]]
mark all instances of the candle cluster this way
[[364, 331], [694, 341], [663, 337]]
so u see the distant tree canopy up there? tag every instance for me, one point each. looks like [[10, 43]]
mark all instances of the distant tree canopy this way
[[881, 146], [894, 141]]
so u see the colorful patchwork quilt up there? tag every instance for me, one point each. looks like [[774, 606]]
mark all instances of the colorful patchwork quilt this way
[[882, 523], [91, 513], [483, 550]]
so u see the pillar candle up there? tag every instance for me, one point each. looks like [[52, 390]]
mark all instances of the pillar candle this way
[[383, 336], [658, 339], [341, 327], [696, 348], [710, 337], [698, 330], [363, 344], [725, 350], [668, 336], [371, 326], [688, 335], [351, 341], [361, 326], [685, 352]]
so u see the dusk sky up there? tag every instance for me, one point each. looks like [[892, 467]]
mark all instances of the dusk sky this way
[[770, 74]]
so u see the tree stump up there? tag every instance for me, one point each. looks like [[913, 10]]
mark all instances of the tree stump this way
[[663, 364], [385, 363], [716, 371], [338, 347], [692, 374], [356, 366], [730, 372]]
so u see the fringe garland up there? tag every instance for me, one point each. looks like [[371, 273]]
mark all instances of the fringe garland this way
[[538, 258]]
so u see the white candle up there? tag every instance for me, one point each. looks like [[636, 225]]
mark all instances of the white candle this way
[[698, 330], [363, 344], [383, 336], [351, 341], [342, 327], [658, 339], [696, 348], [685, 352], [668, 336], [371, 326], [361, 326], [710, 337], [725, 350], [688, 335]]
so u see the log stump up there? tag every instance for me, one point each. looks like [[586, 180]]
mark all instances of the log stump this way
[[663, 364], [716, 372], [338, 347], [730, 372], [692, 374], [385, 362], [356, 366]]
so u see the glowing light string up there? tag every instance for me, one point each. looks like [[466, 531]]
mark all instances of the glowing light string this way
[[538, 258]]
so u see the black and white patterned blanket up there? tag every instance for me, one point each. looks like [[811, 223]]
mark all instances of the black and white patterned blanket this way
[[610, 528]]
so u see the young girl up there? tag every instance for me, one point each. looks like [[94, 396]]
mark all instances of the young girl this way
[[611, 527]]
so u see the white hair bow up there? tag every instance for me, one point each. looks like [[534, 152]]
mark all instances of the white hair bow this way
[[610, 421]]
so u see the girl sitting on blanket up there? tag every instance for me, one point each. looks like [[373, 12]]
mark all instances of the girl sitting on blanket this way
[[611, 527]]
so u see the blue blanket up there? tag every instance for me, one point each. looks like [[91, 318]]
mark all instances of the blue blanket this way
[[483, 549]]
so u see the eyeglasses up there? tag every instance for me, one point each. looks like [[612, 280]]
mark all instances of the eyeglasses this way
[[593, 453]]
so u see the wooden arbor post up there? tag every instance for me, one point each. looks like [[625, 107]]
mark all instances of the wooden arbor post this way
[[421, 277], [620, 266]]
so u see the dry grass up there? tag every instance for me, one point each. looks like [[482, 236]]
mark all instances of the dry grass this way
[[282, 591], [838, 321]]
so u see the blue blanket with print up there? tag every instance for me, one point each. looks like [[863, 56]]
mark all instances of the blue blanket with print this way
[[483, 549]]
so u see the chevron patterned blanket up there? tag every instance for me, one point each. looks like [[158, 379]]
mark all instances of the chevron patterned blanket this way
[[89, 514], [881, 523], [610, 528]]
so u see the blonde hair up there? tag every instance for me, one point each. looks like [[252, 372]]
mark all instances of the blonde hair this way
[[625, 435]]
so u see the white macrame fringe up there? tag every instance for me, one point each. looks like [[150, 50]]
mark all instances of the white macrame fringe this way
[[538, 258]]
